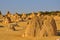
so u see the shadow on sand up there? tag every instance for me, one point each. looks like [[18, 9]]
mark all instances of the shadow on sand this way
[[58, 32]]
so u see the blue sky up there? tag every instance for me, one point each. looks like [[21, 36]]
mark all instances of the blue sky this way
[[27, 6]]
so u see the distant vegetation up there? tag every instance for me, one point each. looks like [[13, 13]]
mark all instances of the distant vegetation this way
[[48, 13], [42, 13]]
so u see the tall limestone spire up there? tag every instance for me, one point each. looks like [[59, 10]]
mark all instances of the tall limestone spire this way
[[38, 14], [32, 15], [23, 15], [8, 14], [0, 13]]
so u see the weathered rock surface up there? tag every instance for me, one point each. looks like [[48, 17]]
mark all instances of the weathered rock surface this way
[[33, 25]]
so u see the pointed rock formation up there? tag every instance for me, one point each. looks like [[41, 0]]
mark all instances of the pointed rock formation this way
[[48, 28], [33, 26], [24, 16], [16, 17], [1, 16], [8, 14], [0, 13], [31, 16], [38, 14]]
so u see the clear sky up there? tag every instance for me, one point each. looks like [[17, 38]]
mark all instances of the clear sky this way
[[27, 6]]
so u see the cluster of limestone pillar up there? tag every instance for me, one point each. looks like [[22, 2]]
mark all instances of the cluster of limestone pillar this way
[[38, 25]]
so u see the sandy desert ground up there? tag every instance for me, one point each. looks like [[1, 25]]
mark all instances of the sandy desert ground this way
[[11, 35]]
